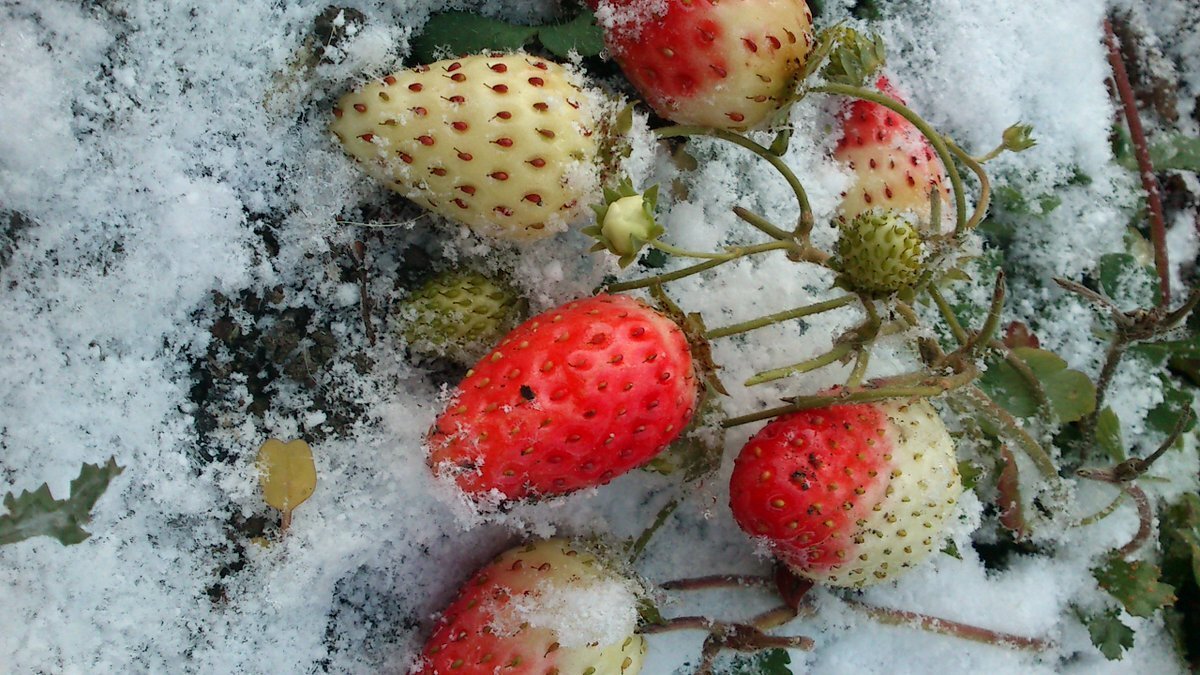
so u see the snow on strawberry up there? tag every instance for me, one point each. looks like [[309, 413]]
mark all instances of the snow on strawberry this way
[[504, 143], [848, 495], [545, 607], [729, 64], [569, 399], [894, 166]]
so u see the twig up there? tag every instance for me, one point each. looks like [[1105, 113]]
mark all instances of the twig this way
[[1158, 227], [360, 256]]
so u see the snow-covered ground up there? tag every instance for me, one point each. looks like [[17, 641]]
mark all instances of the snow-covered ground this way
[[167, 177]]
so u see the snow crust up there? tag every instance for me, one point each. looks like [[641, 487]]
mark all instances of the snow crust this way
[[168, 157]]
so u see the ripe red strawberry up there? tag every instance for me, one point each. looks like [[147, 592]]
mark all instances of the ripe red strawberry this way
[[532, 610], [894, 166], [848, 495], [717, 63], [504, 143], [569, 399]]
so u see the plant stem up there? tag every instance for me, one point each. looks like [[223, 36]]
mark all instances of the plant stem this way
[[1022, 368], [899, 617], [772, 319], [812, 364], [1112, 359], [983, 405], [1145, 519], [935, 139], [860, 367], [717, 581], [1102, 513], [931, 387], [762, 224], [637, 547], [1158, 227], [960, 334], [676, 251], [985, 185], [805, 223], [696, 269], [992, 322]]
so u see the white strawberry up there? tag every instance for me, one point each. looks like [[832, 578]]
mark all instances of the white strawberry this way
[[848, 495], [546, 607], [504, 143]]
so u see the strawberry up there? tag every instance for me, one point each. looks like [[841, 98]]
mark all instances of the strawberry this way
[[848, 495], [569, 399], [458, 315], [894, 166], [880, 252], [533, 610], [505, 144], [727, 64]]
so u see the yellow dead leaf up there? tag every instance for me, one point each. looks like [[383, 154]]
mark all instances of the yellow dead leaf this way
[[287, 474]]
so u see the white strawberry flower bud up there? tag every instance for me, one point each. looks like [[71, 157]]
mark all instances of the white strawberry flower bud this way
[[625, 222]]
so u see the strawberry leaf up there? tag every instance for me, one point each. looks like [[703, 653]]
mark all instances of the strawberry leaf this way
[[1162, 417], [1071, 394], [38, 513], [462, 33], [1109, 634], [1180, 531], [1108, 435], [1135, 585], [580, 35]]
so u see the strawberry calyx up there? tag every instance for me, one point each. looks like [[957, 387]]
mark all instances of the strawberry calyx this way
[[625, 222]]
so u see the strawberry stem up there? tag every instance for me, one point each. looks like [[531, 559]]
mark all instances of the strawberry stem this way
[[960, 334], [985, 185], [985, 334], [805, 222], [809, 365], [1102, 513], [935, 139], [982, 405], [860, 367], [637, 547], [764, 225], [778, 317], [683, 253], [868, 393], [899, 617], [733, 254]]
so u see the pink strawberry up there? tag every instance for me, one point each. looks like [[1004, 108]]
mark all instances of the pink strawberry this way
[[570, 399], [531, 610], [503, 143], [726, 64], [894, 166], [848, 495]]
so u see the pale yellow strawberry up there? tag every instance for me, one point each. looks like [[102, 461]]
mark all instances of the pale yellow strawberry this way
[[505, 144]]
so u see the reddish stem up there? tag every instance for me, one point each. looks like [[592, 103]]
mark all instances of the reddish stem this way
[[1158, 226], [947, 627]]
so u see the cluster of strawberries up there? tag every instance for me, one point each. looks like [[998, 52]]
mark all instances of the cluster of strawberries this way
[[508, 144]]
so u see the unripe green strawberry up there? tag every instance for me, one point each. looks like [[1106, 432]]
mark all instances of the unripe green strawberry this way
[[880, 252], [504, 143], [459, 315], [531, 610], [848, 495]]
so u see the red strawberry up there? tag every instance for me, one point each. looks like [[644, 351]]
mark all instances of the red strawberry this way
[[570, 399], [728, 64], [894, 165], [532, 611], [850, 494]]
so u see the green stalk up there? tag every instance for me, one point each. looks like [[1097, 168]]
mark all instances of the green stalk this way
[[805, 225], [983, 405], [682, 253], [935, 139], [696, 269], [985, 185], [804, 366], [778, 317], [761, 223], [960, 334]]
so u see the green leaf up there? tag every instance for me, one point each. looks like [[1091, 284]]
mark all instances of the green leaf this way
[[1180, 532], [969, 473], [1123, 279], [1162, 417], [1175, 151], [649, 614], [467, 33], [38, 513], [1071, 393], [1135, 585], [1109, 634], [770, 662], [1108, 435], [1188, 348], [580, 35]]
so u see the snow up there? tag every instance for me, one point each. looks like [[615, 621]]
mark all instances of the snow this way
[[171, 168]]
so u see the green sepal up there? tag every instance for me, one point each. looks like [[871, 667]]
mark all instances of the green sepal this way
[[625, 239], [854, 58], [1019, 137]]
